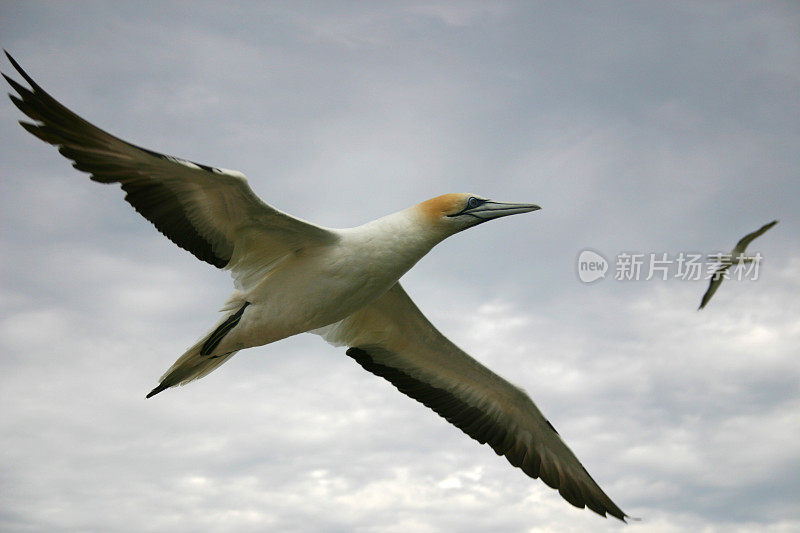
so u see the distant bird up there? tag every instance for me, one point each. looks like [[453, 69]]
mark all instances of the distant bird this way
[[292, 276], [735, 257]]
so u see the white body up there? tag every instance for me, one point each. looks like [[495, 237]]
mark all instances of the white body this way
[[322, 285]]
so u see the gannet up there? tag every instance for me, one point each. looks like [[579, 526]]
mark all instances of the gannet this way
[[726, 261], [291, 276]]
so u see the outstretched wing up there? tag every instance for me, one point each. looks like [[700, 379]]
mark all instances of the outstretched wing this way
[[713, 285], [208, 211], [747, 239], [392, 339]]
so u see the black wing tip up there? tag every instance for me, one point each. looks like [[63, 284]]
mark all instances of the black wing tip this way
[[704, 302], [14, 85], [161, 387], [530, 465], [10, 58], [615, 512], [619, 515], [605, 509], [19, 69], [766, 226]]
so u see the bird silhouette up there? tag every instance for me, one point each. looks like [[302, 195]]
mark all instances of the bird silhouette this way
[[726, 261]]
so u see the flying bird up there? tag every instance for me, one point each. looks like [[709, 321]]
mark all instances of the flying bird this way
[[292, 276], [726, 261]]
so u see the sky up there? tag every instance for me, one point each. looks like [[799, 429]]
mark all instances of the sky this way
[[639, 127]]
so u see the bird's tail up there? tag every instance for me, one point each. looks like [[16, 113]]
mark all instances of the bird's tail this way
[[199, 360]]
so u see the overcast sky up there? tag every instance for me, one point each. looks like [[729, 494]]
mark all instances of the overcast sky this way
[[640, 127]]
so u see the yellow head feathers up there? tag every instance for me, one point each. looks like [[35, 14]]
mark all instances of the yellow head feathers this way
[[447, 204]]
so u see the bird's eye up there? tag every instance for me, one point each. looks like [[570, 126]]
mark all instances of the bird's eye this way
[[473, 202]]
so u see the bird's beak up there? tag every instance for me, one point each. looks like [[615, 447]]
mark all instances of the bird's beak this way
[[491, 209]]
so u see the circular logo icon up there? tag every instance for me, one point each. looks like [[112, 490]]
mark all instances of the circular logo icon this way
[[591, 266]]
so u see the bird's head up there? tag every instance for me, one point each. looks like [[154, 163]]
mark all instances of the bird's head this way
[[456, 212]]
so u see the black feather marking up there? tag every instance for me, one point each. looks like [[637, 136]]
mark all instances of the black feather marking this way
[[479, 424], [472, 420], [161, 387], [218, 334], [153, 201], [93, 151]]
